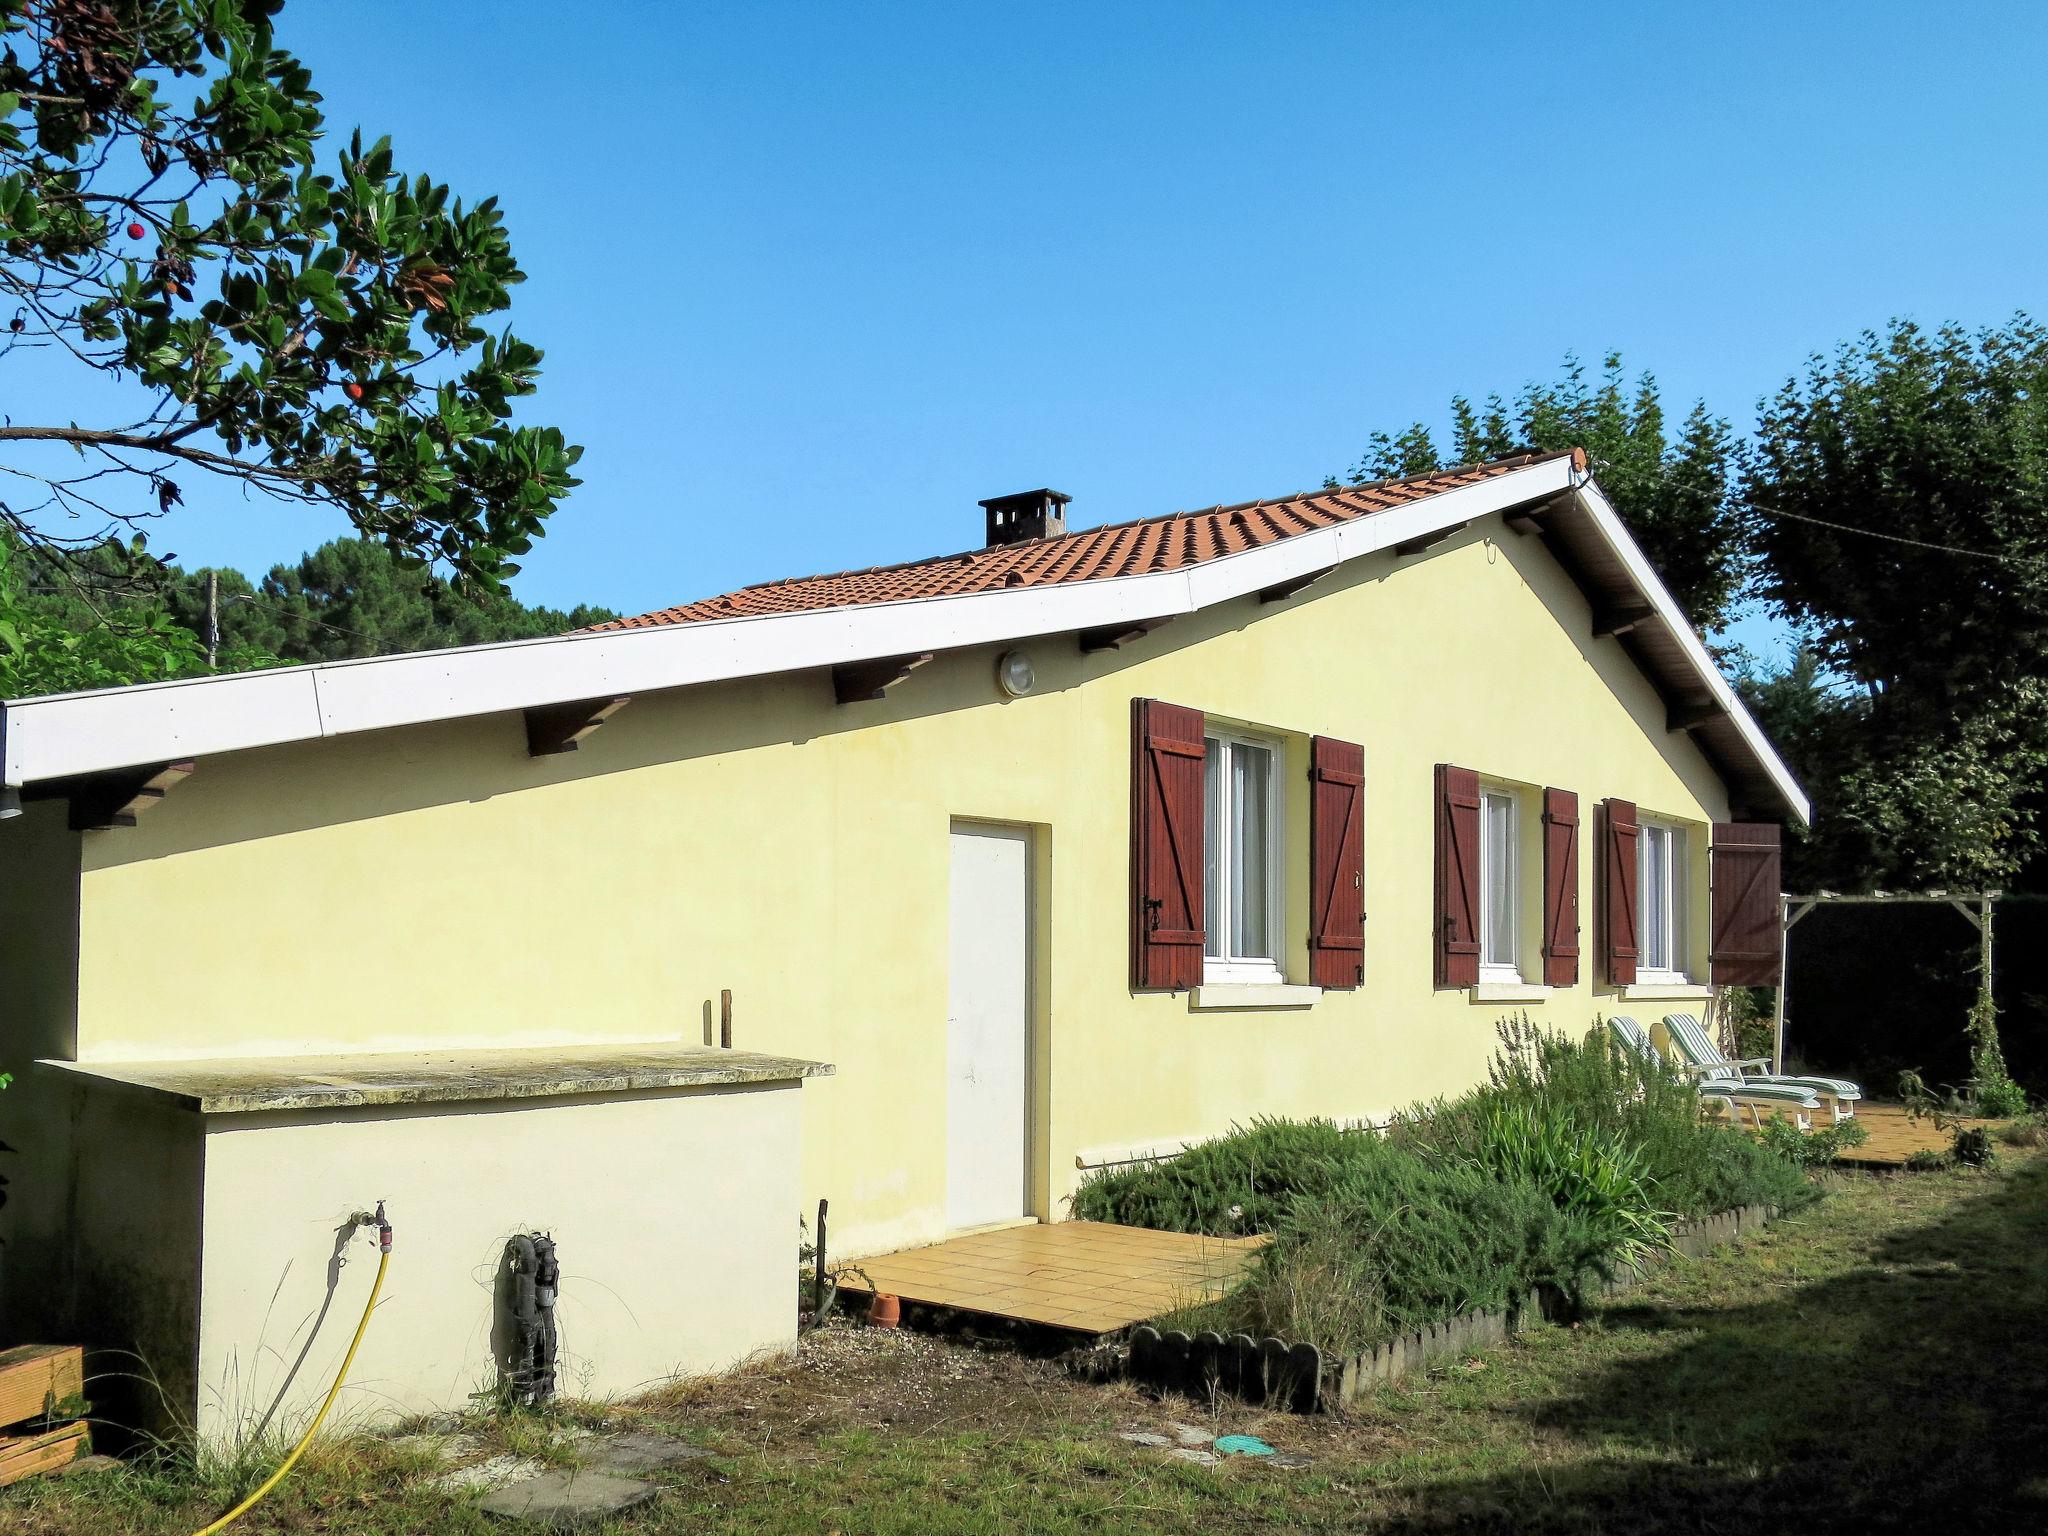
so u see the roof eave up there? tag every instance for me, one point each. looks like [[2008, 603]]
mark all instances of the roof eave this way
[[60, 736], [1696, 667]]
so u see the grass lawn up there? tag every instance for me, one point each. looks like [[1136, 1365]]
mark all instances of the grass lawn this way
[[1879, 1361]]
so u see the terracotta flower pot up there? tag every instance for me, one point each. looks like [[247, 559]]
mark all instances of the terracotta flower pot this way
[[885, 1311]]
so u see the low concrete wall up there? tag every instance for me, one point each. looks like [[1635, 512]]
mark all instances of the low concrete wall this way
[[674, 1213], [1301, 1377]]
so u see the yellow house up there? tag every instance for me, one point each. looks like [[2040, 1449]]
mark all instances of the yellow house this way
[[1063, 851]]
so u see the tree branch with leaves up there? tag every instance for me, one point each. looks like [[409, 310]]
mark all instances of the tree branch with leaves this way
[[313, 336]]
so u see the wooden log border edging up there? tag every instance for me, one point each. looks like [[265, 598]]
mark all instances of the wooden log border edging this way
[[1303, 1378]]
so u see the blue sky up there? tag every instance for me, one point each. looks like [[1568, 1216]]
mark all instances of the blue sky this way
[[812, 280]]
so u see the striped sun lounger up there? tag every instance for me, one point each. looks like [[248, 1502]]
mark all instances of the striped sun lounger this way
[[1701, 1053], [1732, 1093]]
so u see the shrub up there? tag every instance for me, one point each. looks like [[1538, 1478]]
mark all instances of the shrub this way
[[2000, 1098], [1749, 1020], [1399, 1242], [1694, 1169], [1242, 1182], [1570, 1161], [2026, 1131], [1972, 1147], [1588, 1171], [1926, 1160], [1992, 1089], [1811, 1149]]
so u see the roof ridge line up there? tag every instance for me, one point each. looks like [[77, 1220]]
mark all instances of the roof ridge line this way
[[1505, 462]]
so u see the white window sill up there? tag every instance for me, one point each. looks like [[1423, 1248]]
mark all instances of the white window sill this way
[[1663, 989], [1508, 992], [1217, 996]]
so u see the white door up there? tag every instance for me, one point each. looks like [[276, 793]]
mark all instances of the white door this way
[[987, 1029]]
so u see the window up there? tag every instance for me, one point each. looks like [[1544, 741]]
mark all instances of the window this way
[[1660, 886], [1241, 866], [1499, 886]]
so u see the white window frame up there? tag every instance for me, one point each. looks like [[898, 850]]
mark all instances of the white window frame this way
[[1666, 909], [1224, 967], [1498, 972]]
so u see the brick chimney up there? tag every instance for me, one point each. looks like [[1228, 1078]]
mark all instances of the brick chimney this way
[[1039, 514]]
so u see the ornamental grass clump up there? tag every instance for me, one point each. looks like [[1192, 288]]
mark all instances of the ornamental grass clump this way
[[1588, 1171], [1589, 1091]]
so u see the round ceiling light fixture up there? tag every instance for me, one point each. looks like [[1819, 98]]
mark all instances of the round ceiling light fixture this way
[[1015, 674]]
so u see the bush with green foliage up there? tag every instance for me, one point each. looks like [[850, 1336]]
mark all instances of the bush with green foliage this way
[[1596, 1178], [1746, 1012], [1243, 1182], [1811, 1149], [2030, 1130], [1992, 1089], [1972, 1148], [269, 308], [1570, 1162]]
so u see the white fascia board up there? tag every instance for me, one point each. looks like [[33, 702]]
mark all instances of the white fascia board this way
[[1651, 585], [63, 734], [76, 733]]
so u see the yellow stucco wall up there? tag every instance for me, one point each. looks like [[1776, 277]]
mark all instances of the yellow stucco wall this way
[[672, 1213], [434, 886]]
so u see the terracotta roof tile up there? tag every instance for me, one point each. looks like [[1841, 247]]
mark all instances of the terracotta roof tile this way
[[1166, 543]]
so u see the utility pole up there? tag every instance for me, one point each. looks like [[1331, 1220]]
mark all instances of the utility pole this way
[[212, 619]]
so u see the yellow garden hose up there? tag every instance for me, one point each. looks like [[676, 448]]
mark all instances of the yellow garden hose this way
[[363, 1327]]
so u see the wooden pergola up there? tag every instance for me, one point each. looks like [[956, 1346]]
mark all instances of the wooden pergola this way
[[1975, 907]]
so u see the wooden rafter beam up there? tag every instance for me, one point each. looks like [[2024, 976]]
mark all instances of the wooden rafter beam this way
[[1422, 541], [553, 728], [1619, 618], [856, 682], [1527, 520], [117, 799], [1293, 584], [1688, 714], [1112, 637]]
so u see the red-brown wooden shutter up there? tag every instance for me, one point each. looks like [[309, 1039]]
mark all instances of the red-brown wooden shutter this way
[[1560, 888], [1166, 846], [1336, 816], [1457, 876], [1619, 831], [1746, 914]]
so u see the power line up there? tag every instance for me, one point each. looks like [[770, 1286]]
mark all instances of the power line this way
[[1894, 538], [1998, 556]]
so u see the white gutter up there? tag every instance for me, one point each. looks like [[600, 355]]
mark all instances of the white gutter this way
[[1618, 539], [76, 733]]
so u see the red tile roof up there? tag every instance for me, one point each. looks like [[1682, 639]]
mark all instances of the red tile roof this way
[[1118, 549]]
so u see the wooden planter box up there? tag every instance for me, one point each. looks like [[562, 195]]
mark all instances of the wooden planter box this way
[[36, 1381]]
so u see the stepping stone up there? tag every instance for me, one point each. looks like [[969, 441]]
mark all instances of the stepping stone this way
[[1198, 1457], [556, 1501], [1187, 1434], [491, 1472], [1140, 1438], [642, 1451]]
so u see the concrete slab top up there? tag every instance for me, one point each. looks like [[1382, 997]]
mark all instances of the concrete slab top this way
[[252, 1084]]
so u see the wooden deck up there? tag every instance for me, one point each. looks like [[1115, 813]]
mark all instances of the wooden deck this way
[[1090, 1277], [1896, 1135]]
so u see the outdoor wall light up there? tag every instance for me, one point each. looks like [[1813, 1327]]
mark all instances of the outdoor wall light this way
[[1015, 674]]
